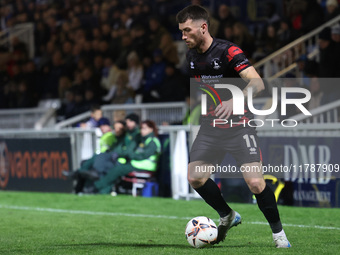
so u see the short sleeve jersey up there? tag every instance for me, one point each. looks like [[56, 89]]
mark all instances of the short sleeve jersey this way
[[223, 59]]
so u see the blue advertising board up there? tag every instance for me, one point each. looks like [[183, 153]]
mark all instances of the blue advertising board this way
[[310, 163]]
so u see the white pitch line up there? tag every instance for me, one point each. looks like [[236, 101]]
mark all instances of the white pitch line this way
[[52, 210]]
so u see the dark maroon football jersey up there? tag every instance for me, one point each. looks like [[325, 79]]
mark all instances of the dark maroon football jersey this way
[[223, 59]]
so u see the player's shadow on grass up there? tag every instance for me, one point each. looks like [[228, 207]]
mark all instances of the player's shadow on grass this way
[[137, 245]]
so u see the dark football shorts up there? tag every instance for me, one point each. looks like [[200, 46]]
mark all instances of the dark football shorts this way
[[241, 143]]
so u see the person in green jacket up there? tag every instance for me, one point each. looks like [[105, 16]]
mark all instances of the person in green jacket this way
[[132, 137], [108, 138], [143, 158], [130, 141], [81, 174]]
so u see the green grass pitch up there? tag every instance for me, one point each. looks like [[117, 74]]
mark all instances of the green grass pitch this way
[[46, 223]]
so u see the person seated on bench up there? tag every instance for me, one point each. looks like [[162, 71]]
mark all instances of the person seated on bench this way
[[144, 158], [119, 136]]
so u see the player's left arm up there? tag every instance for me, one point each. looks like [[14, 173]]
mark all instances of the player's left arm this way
[[255, 83]]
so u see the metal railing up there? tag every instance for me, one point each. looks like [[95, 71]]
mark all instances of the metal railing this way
[[47, 120], [24, 32], [158, 112], [21, 118], [287, 55], [328, 113]]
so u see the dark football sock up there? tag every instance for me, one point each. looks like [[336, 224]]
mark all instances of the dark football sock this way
[[213, 197], [267, 204]]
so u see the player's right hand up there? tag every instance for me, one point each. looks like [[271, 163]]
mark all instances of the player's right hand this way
[[224, 110]]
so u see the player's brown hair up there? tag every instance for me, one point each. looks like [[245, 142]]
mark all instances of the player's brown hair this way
[[194, 12]]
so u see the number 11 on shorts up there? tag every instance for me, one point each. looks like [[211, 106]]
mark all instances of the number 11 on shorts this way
[[252, 138]]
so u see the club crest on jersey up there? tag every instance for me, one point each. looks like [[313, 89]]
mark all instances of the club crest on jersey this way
[[192, 65], [216, 63]]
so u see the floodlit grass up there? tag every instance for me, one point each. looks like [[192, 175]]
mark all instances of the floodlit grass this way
[[46, 223]]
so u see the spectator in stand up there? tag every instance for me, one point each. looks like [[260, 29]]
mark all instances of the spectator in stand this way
[[105, 31], [79, 100], [140, 40], [225, 18], [328, 67], [125, 19], [103, 48], [138, 16], [273, 18], [98, 65], [96, 115], [228, 33], [97, 34], [332, 9], [336, 33], [54, 72], [311, 10], [284, 33], [90, 98], [153, 77], [76, 53], [24, 97], [123, 94], [64, 85], [295, 14], [89, 80], [174, 85], [311, 68], [271, 40], [126, 47], [301, 64], [64, 35], [329, 64], [109, 74], [115, 42], [161, 39], [32, 78], [67, 106], [135, 71], [243, 39], [88, 52], [46, 58], [67, 56], [41, 37]]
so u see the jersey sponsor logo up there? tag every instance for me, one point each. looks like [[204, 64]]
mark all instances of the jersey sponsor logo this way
[[233, 51], [208, 78]]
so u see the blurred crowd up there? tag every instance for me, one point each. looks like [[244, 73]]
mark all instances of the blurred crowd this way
[[118, 52]]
